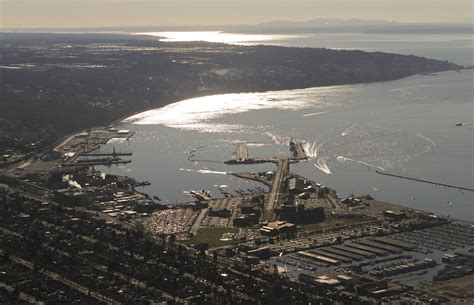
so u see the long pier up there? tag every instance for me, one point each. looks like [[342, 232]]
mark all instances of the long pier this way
[[100, 162], [274, 197], [242, 151], [105, 154], [426, 181], [251, 161]]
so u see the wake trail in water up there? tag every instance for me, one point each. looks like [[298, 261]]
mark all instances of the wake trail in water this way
[[344, 159], [322, 166], [273, 137], [205, 171], [349, 130], [311, 150], [427, 139], [315, 113]]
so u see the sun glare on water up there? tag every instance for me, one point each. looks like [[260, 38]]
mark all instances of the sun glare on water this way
[[212, 36]]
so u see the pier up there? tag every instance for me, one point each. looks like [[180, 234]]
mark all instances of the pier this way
[[426, 181], [251, 161], [104, 161], [242, 151], [298, 151], [275, 192], [105, 154]]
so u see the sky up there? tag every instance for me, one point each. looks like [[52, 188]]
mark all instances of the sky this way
[[109, 13]]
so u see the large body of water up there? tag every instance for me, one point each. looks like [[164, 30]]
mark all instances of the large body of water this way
[[404, 127]]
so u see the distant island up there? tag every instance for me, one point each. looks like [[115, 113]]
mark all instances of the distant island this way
[[54, 84]]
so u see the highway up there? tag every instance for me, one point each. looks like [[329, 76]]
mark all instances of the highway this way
[[197, 222]]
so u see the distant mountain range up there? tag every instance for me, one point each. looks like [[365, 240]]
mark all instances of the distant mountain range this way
[[318, 22], [361, 26], [464, 26]]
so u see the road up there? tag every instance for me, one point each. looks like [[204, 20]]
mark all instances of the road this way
[[275, 193], [197, 222]]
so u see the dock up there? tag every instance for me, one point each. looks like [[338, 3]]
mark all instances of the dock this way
[[297, 151], [340, 258], [320, 258], [242, 151], [104, 161], [395, 243], [359, 246], [426, 181], [141, 183], [383, 247], [275, 191], [343, 253], [103, 154], [251, 161], [355, 251]]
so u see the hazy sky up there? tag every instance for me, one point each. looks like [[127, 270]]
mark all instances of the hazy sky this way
[[93, 13]]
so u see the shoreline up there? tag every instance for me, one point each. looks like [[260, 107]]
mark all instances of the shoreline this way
[[435, 74]]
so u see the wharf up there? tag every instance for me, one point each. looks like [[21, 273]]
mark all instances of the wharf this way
[[99, 162], [251, 161], [298, 151], [242, 151], [105, 154], [275, 191], [142, 183]]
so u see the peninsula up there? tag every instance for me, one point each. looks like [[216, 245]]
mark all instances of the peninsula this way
[[54, 84]]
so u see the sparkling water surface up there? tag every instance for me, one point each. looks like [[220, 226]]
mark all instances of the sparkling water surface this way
[[405, 127]]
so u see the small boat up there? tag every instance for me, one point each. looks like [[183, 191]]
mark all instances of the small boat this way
[[459, 124]]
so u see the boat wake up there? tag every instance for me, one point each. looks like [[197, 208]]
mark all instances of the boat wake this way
[[427, 139], [205, 171], [118, 140], [348, 130], [273, 137], [344, 159], [311, 150], [322, 166], [315, 113]]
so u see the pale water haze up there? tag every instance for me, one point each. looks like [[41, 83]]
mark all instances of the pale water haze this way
[[100, 13]]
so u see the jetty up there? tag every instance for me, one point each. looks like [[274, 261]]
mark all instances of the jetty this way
[[298, 151], [242, 151], [276, 190], [426, 181], [100, 161], [105, 154]]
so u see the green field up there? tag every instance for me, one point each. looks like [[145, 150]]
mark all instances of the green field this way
[[330, 222], [211, 236]]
